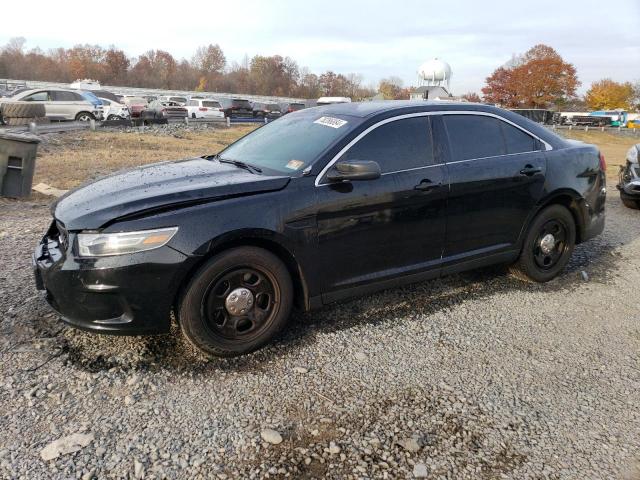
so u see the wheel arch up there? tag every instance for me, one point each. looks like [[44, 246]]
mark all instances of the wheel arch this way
[[266, 240], [571, 200]]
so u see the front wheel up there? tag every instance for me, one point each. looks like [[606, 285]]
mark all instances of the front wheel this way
[[237, 302], [548, 245]]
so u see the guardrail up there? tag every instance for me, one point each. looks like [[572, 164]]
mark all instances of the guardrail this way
[[60, 127]]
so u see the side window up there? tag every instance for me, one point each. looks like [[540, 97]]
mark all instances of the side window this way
[[62, 96], [105, 102], [518, 141], [474, 136], [397, 145], [79, 98], [37, 97]]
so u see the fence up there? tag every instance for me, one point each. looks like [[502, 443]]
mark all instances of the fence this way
[[628, 132]]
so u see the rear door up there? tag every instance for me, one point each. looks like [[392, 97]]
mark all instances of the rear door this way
[[66, 104], [377, 230], [497, 175]]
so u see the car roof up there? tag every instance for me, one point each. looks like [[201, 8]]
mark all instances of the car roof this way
[[368, 109]]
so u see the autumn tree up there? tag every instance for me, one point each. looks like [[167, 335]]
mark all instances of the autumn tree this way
[[390, 88], [471, 97], [537, 79], [607, 94]]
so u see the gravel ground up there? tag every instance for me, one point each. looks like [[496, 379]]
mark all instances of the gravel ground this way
[[476, 375]]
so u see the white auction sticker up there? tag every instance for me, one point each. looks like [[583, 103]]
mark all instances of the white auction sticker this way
[[331, 122]]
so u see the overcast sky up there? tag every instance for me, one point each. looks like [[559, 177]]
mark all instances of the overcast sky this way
[[374, 38]]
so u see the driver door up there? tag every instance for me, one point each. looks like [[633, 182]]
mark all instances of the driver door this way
[[373, 231]]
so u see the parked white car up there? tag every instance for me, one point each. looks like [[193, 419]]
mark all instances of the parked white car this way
[[61, 104], [114, 110], [204, 108]]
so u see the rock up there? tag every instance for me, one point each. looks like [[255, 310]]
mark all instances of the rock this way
[[333, 448], [360, 356], [69, 444], [420, 470], [128, 400], [100, 451], [271, 436], [409, 444], [301, 370], [89, 475], [584, 275], [138, 469]]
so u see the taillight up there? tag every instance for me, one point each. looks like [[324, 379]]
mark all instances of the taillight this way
[[203, 109], [221, 109], [603, 163]]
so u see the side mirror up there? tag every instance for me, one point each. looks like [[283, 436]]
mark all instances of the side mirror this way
[[354, 170]]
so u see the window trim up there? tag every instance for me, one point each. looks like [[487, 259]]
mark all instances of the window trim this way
[[342, 151]]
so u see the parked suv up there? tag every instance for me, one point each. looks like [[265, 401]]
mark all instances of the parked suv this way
[[204, 108], [268, 110], [321, 205], [236, 108], [61, 104]]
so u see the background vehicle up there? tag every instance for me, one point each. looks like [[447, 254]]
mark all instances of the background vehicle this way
[[114, 110], [61, 104], [292, 107], [95, 101], [158, 110], [204, 108], [136, 104], [268, 110], [616, 118], [182, 101], [236, 108], [331, 100], [633, 123], [629, 179], [286, 215]]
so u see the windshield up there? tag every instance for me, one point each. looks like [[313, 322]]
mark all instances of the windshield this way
[[291, 143]]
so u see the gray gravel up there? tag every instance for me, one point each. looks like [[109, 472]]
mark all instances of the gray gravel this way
[[473, 376]]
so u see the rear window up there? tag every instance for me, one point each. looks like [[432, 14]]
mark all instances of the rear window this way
[[178, 99], [474, 136], [273, 107], [211, 104], [296, 106], [241, 103], [192, 103]]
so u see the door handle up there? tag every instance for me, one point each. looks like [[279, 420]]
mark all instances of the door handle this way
[[530, 170], [426, 185]]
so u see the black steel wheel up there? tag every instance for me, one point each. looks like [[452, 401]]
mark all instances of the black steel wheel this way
[[237, 302], [548, 245]]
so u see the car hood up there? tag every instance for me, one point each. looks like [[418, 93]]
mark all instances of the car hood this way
[[155, 187]]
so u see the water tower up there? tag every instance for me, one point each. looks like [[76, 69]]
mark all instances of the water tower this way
[[435, 73]]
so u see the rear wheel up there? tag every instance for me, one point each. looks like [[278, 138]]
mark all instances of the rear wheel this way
[[548, 245], [630, 203], [237, 302], [84, 117]]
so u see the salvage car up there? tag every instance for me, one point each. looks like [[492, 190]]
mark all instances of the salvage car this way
[[114, 110], [162, 111], [629, 179], [266, 110], [321, 205], [204, 108], [61, 104], [236, 108]]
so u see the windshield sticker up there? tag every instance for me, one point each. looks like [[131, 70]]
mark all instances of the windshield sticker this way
[[331, 122], [294, 164]]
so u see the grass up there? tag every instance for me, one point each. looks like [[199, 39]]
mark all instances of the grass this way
[[68, 160], [614, 147]]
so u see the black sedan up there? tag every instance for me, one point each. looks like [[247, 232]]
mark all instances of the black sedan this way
[[320, 205]]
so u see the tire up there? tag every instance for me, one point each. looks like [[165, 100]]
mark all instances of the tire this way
[[536, 263], [630, 203], [23, 110], [84, 117], [113, 117], [214, 324]]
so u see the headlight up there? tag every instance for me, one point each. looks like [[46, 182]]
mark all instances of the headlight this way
[[105, 244]]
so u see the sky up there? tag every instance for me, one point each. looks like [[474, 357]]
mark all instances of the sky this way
[[376, 39]]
